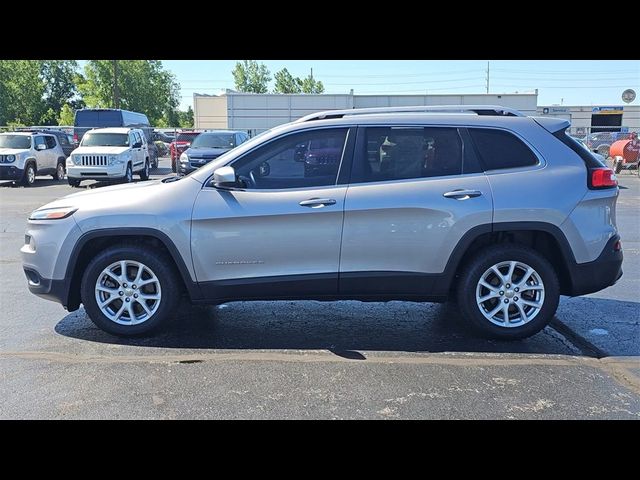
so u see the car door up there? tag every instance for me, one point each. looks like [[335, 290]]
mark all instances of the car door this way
[[53, 152], [42, 156], [414, 192], [278, 234], [136, 150]]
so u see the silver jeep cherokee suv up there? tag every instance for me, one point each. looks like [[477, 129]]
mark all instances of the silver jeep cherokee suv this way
[[501, 211]]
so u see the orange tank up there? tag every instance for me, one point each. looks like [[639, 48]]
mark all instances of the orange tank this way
[[629, 150]]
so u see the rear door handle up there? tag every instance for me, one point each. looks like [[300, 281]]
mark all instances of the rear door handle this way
[[462, 194], [317, 202]]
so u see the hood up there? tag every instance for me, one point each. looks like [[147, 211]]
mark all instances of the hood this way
[[206, 152], [99, 150], [13, 151]]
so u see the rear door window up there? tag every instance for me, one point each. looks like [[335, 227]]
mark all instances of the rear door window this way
[[499, 149], [405, 153], [50, 141]]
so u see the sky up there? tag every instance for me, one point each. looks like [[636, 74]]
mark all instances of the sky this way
[[561, 82]]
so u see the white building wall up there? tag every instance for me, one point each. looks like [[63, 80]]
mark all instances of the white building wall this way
[[258, 112]]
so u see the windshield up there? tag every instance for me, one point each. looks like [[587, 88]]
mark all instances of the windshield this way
[[15, 141], [187, 137], [105, 140], [213, 140]]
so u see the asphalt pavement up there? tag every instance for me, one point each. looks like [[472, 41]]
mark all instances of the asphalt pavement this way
[[396, 360]]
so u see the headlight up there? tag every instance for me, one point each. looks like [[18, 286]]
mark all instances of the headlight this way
[[112, 159], [184, 158], [117, 159], [11, 158], [52, 213]]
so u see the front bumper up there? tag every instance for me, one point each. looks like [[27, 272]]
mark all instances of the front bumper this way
[[54, 290], [603, 272], [185, 168], [10, 172], [86, 172]]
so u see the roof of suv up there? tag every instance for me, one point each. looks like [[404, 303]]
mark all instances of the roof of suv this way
[[27, 134], [113, 130]]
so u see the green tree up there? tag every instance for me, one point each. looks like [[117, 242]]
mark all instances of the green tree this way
[[311, 85], [58, 77], [251, 77], [66, 115], [22, 92], [143, 86], [186, 118], [287, 83]]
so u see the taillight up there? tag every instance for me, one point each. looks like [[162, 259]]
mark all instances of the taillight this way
[[602, 178]]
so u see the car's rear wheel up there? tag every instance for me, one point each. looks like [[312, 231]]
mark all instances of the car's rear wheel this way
[[127, 290], [508, 291]]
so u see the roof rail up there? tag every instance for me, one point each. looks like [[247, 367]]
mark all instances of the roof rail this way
[[495, 110]]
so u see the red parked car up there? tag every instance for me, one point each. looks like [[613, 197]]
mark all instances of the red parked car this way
[[181, 143]]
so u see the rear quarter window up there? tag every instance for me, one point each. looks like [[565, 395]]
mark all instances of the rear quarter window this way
[[499, 149]]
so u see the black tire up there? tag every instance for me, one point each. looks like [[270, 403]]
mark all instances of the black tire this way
[[73, 182], [145, 173], [29, 175], [60, 171], [174, 167], [154, 163], [481, 262], [128, 174], [158, 262]]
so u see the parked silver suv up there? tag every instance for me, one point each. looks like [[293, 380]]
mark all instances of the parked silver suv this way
[[501, 211]]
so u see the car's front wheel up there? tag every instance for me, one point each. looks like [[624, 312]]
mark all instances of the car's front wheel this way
[[145, 172], [128, 174], [29, 176], [508, 291], [73, 182], [127, 290]]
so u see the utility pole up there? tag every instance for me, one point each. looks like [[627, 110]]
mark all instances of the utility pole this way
[[487, 77], [116, 93], [311, 73]]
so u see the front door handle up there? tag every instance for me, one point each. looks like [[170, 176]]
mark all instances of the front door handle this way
[[317, 202], [462, 194]]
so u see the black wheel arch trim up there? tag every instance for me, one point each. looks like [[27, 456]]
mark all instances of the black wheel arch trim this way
[[192, 287], [451, 269]]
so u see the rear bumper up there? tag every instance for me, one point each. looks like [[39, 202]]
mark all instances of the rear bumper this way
[[10, 173], [594, 276]]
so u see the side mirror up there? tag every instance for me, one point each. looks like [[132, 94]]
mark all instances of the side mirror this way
[[224, 177], [41, 146], [137, 145]]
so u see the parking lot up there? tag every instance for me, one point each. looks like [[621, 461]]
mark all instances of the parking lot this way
[[315, 360]]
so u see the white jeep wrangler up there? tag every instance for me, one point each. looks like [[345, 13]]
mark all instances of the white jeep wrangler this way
[[109, 154]]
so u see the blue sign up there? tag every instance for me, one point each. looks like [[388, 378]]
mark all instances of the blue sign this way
[[607, 109]]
